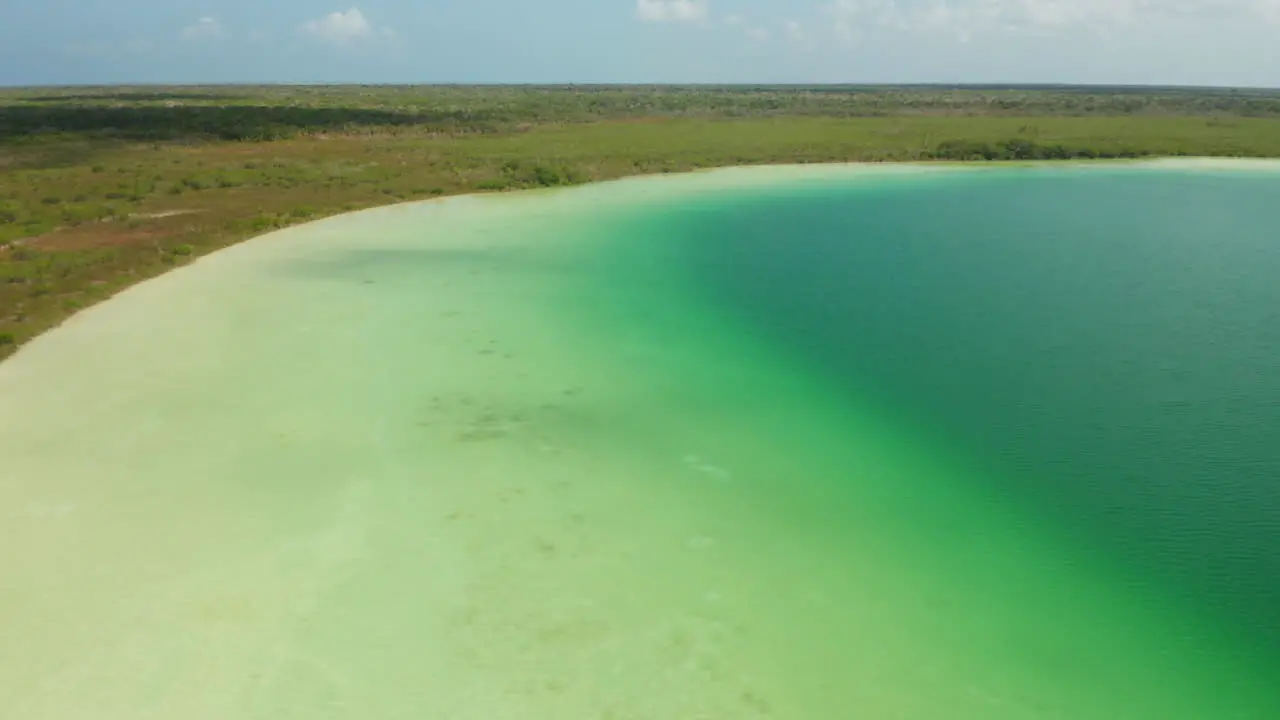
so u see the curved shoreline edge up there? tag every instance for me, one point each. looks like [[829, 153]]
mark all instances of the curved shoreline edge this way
[[733, 176]]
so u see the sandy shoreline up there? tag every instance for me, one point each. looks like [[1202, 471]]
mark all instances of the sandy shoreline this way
[[295, 484]]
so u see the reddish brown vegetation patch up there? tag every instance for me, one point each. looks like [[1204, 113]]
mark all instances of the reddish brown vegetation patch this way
[[107, 234]]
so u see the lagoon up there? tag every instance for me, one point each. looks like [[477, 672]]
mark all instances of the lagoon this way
[[799, 442]]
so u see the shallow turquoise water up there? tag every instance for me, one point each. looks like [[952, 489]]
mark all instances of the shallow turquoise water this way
[[780, 443]]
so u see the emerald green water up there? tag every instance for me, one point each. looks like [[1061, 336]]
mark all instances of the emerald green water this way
[[1075, 377], [784, 443], [1104, 345]]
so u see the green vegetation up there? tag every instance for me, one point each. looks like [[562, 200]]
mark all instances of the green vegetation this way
[[103, 187]]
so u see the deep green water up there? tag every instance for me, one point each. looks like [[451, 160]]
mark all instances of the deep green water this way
[[1092, 355], [1105, 345], [789, 443]]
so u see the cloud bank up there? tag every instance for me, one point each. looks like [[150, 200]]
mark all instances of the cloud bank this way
[[852, 19], [340, 29], [672, 10], [206, 28]]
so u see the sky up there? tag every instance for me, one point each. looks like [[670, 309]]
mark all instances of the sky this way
[[1163, 42]]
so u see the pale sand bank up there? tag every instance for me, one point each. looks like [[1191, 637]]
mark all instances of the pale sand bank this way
[[371, 467], [1211, 163], [352, 470]]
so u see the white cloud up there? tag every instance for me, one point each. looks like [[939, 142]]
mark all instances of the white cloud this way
[[985, 16], [672, 10], [1271, 11], [795, 31], [206, 28], [850, 20], [757, 33], [339, 28]]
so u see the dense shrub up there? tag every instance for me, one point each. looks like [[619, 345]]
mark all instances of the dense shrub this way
[[1023, 149]]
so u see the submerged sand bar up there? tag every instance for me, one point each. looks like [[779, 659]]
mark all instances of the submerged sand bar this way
[[387, 466]]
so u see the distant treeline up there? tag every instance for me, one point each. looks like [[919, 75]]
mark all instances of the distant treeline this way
[[231, 122], [1023, 149], [276, 112]]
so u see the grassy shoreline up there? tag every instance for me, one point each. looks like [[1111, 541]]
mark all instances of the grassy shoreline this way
[[103, 188]]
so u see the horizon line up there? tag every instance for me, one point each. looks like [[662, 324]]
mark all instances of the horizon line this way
[[986, 85]]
